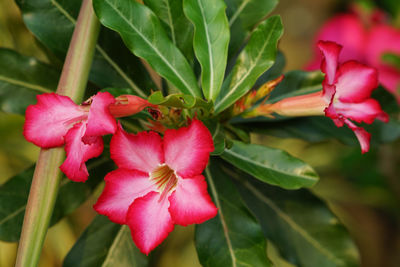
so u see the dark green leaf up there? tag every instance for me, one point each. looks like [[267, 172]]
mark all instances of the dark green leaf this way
[[392, 59], [178, 27], [218, 135], [234, 237], [312, 129], [275, 71], [21, 79], [256, 58], [300, 225], [270, 165], [210, 43], [145, 37], [14, 195], [105, 244], [179, 101], [243, 16], [53, 21]]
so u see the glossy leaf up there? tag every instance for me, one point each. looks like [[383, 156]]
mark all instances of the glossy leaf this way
[[178, 27], [234, 237], [143, 34], [318, 129], [14, 195], [210, 43], [301, 226], [270, 165], [53, 21], [218, 134], [21, 79], [13, 198], [243, 15], [179, 101], [105, 244], [256, 58]]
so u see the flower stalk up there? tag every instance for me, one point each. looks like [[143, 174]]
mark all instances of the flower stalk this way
[[47, 174]]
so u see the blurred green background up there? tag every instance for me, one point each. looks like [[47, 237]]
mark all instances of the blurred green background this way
[[363, 190]]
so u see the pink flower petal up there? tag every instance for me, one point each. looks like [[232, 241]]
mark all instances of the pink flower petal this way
[[187, 149], [149, 221], [363, 136], [100, 121], [346, 30], [190, 202], [78, 153], [121, 189], [384, 39], [355, 82], [389, 77], [366, 111], [48, 121], [330, 52], [141, 152]]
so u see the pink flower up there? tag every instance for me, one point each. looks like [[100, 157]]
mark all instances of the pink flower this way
[[56, 120], [365, 39], [158, 183], [347, 88], [345, 98]]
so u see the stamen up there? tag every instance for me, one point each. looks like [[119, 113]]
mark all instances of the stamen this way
[[165, 179]]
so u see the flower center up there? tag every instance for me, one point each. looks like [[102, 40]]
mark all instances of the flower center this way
[[165, 179]]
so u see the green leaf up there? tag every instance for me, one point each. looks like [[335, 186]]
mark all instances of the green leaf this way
[[14, 195], [178, 27], [218, 134], [243, 15], [234, 237], [105, 244], [179, 101], [53, 21], [145, 37], [210, 43], [391, 59], [270, 165], [256, 58], [21, 79], [301, 226]]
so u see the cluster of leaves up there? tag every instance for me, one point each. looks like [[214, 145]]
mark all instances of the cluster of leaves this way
[[232, 47]]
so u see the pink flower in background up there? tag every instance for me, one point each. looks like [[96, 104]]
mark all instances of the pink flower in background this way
[[347, 88], [345, 98], [365, 39], [158, 183], [56, 120]]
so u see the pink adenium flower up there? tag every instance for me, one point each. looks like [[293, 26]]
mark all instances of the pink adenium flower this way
[[56, 120], [159, 182], [365, 38], [345, 98], [347, 88]]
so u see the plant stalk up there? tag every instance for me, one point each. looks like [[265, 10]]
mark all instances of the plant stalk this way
[[46, 178]]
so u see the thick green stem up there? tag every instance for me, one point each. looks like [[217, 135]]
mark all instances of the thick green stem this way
[[47, 175]]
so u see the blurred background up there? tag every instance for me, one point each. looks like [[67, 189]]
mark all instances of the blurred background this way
[[363, 190]]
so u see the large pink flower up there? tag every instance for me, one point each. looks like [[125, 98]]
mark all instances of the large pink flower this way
[[347, 88], [56, 120], [365, 41], [158, 183]]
